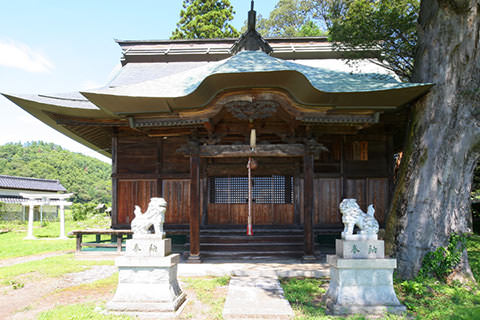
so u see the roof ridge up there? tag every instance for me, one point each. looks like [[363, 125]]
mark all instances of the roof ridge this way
[[29, 178]]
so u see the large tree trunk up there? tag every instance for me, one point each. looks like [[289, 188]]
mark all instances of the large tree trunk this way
[[432, 198]]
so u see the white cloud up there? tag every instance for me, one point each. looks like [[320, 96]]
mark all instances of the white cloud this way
[[18, 55]]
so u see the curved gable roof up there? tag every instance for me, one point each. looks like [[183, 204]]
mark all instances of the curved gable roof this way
[[247, 68]]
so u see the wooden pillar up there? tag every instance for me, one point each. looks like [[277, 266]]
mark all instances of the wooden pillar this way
[[308, 195], [159, 168], [114, 178], [342, 168], [119, 242], [79, 242], [391, 170], [194, 208]]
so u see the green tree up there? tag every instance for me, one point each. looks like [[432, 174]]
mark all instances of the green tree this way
[[388, 24], [291, 18], [205, 19], [88, 178]]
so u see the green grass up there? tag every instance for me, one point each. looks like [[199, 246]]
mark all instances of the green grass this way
[[473, 247], [13, 243], [84, 311], [304, 297], [48, 267], [204, 290], [432, 299], [424, 299], [427, 299]]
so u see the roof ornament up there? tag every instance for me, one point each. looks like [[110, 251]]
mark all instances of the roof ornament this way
[[251, 40], [252, 18]]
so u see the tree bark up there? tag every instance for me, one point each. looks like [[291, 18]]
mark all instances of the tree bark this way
[[432, 197]]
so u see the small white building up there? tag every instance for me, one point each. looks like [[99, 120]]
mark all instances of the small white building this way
[[13, 204]]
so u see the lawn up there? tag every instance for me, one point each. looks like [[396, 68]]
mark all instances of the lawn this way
[[49, 267], [13, 244]]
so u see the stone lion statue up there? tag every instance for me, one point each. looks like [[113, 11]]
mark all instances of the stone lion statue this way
[[154, 216], [352, 215]]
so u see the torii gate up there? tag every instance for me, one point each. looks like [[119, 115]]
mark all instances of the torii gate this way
[[38, 199]]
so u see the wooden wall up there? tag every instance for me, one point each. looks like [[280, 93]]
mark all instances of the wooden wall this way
[[131, 193], [263, 214], [328, 193], [148, 167], [177, 194]]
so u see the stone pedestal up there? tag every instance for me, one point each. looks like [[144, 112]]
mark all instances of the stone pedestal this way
[[147, 280], [361, 279]]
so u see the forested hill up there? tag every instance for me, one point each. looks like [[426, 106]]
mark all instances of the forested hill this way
[[88, 178]]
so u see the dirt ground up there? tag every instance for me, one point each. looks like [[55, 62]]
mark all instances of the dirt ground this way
[[39, 295]]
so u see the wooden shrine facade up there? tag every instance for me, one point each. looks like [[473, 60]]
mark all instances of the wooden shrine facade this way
[[307, 163]]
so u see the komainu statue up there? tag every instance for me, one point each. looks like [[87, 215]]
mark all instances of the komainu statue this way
[[352, 215], [154, 216]]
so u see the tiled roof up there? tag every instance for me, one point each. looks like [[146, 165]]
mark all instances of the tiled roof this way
[[11, 182], [185, 83], [72, 100]]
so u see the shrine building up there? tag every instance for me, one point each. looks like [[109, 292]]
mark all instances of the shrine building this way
[[182, 118]]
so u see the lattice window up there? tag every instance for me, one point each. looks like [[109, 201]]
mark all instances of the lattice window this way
[[360, 150], [272, 189]]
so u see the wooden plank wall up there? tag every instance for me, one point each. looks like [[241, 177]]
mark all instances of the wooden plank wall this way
[[150, 167], [328, 192], [367, 191], [134, 192], [177, 194], [263, 214], [377, 193], [364, 177]]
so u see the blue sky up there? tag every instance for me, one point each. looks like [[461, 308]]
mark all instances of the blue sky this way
[[51, 46]]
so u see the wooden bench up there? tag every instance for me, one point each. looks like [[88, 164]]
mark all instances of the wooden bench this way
[[119, 234]]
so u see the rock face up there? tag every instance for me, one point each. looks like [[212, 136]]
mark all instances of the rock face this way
[[147, 280]]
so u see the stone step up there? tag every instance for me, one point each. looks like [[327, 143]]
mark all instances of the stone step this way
[[256, 297], [251, 255]]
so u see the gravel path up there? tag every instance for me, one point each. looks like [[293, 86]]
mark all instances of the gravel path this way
[[90, 275], [35, 257]]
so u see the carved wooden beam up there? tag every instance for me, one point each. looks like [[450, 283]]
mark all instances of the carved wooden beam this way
[[231, 151], [252, 110], [340, 119]]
